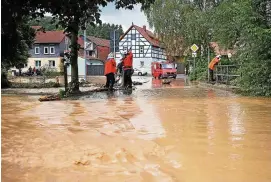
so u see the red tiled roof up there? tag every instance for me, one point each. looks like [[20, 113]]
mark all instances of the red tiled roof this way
[[99, 41], [49, 36], [95, 40], [220, 51], [148, 35]]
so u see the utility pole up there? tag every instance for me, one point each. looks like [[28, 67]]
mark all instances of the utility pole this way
[[208, 62], [194, 68], [85, 52], [209, 38], [115, 44]]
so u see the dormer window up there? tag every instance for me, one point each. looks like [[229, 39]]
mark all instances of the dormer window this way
[[52, 50], [46, 50], [37, 50]]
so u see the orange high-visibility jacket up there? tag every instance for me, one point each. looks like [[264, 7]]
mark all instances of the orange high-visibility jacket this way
[[110, 66], [213, 63], [128, 60]]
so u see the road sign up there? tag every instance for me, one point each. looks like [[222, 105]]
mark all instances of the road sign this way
[[112, 46], [194, 48], [114, 39], [194, 54]]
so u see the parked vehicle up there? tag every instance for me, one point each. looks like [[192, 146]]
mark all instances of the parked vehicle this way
[[140, 72], [163, 70]]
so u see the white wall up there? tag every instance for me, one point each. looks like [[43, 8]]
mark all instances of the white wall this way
[[44, 62], [81, 67]]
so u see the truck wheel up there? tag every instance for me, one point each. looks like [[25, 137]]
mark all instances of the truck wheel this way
[[174, 77], [139, 74]]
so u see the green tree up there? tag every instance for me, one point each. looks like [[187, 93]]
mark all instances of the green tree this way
[[180, 24], [47, 22], [17, 36], [102, 30], [245, 26]]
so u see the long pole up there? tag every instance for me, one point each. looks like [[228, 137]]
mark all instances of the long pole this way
[[65, 77], [85, 52], [194, 67], [114, 44], [208, 63]]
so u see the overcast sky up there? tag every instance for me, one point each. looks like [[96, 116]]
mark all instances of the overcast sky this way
[[124, 17]]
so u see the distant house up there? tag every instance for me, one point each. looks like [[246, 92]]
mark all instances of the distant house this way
[[47, 48], [97, 50], [218, 50], [145, 46]]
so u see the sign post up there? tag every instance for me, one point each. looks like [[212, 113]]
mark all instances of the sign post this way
[[208, 63], [194, 49], [85, 52], [114, 42]]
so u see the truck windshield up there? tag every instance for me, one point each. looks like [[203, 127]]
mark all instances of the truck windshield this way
[[167, 66]]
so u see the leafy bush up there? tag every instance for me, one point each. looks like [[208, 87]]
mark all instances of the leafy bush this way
[[50, 72], [62, 93], [200, 72], [4, 80]]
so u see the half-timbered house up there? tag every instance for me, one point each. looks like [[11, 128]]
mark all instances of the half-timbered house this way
[[145, 47]]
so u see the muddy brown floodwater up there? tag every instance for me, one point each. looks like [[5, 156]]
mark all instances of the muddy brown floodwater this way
[[185, 134]]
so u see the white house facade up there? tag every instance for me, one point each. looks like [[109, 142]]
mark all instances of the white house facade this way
[[145, 47]]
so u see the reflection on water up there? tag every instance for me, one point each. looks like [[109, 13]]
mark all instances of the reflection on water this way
[[176, 134]]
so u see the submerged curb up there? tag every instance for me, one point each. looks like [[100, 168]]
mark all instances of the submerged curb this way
[[219, 86]]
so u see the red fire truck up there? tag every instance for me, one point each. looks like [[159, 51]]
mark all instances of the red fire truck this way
[[163, 70]]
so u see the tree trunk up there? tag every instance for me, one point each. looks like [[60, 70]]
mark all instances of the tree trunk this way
[[74, 86], [4, 80]]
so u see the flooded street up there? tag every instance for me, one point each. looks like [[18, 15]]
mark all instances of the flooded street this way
[[180, 133]]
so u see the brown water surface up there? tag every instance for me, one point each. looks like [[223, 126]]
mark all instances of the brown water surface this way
[[171, 134]]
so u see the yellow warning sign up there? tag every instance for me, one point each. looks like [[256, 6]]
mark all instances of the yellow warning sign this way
[[194, 47]]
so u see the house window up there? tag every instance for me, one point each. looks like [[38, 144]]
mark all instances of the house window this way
[[141, 49], [46, 50], [141, 63], [52, 63], [91, 53], [133, 36], [37, 50], [38, 64], [52, 50]]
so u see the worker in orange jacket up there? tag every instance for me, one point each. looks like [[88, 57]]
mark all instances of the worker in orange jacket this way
[[128, 69], [211, 66], [109, 71]]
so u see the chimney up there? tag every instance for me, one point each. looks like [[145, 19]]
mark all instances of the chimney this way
[[144, 28]]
